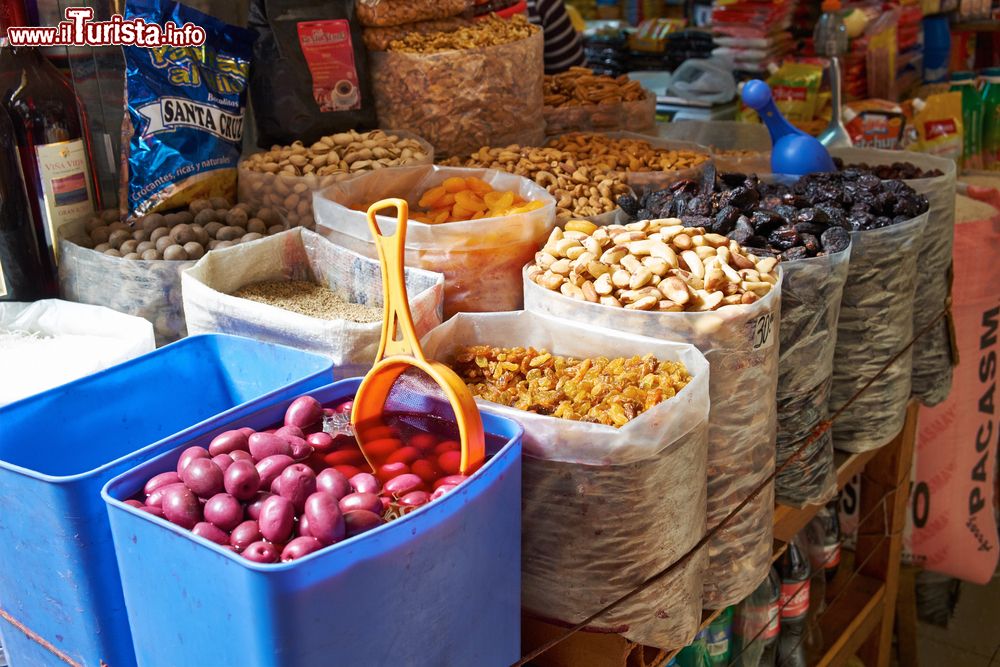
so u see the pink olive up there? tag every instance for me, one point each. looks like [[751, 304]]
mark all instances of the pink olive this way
[[162, 479], [290, 431], [247, 431], [450, 480], [333, 482], [365, 482], [344, 407], [300, 448], [303, 528], [230, 441], [240, 455], [224, 511], [203, 477], [155, 499], [326, 523], [299, 547], [304, 411], [138, 504], [223, 461], [261, 552], [263, 445], [296, 482], [441, 490], [190, 454], [415, 499], [403, 484], [181, 506], [271, 467], [277, 518], [253, 509], [210, 532], [241, 480], [155, 511], [360, 521], [361, 501], [320, 442], [244, 535]]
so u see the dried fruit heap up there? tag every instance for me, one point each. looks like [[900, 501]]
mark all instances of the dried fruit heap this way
[[600, 390]]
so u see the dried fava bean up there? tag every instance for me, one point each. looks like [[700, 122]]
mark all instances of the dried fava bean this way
[[600, 390]]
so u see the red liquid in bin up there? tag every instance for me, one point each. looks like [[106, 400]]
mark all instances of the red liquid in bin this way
[[288, 501]]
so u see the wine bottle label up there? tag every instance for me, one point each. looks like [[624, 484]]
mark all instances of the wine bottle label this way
[[329, 54], [65, 177], [794, 598]]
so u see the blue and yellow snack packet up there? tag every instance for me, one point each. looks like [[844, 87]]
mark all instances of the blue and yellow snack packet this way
[[184, 106]]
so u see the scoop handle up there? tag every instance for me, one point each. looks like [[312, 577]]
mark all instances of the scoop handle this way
[[399, 337]]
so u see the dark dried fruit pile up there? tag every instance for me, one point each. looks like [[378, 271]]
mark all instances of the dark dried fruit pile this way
[[812, 217], [899, 170]]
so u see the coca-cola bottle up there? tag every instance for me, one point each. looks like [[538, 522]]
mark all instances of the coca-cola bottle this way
[[51, 135], [828, 553], [795, 574], [769, 639]]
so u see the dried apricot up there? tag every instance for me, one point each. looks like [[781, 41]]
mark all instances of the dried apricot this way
[[454, 184]]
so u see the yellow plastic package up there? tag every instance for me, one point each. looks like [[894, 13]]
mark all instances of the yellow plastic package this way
[[795, 89], [938, 124]]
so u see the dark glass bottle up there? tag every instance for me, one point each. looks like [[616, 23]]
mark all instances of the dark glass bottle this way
[[23, 274], [769, 637], [51, 136], [795, 577]]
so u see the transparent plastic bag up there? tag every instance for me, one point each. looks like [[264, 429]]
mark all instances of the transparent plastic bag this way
[[932, 362], [636, 116], [292, 195], [876, 321], [73, 341], [810, 306], [381, 13], [463, 100], [150, 289], [299, 254], [605, 508], [734, 146], [378, 39], [741, 345], [480, 259]]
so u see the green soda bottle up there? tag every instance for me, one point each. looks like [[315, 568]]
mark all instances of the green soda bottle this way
[[972, 118], [991, 118]]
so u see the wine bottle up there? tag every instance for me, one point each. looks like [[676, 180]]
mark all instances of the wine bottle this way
[[51, 136], [23, 273]]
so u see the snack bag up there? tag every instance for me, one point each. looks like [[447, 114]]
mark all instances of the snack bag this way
[[938, 123], [875, 123], [183, 127], [795, 89]]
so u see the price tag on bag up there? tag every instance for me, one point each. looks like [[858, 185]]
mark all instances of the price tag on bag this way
[[761, 331]]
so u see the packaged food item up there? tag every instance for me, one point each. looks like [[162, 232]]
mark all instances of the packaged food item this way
[[378, 39], [881, 55], [183, 127], [875, 123], [991, 118], [741, 344], [216, 289], [972, 118], [381, 13], [310, 75], [938, 124], [481, 259], [795, 90], [630, 499], [285, 177], [475, 86]]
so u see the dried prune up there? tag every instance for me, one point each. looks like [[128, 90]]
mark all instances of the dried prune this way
[[810, 242], [784, 238], [733, 179], [696, 221], [809, 228], [835, 239], [629, 204], [798, 252], [725, 220], [767, 221]]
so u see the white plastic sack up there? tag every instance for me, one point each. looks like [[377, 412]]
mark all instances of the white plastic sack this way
[[76, 341], [299, 254], [932, 362], [876, 322], [481, 259], [810, 305], [734, 146], [150, 289], [741, 345], [605, 508]]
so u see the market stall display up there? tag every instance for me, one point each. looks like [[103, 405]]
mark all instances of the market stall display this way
[[630, 495], [735, 146], [473, 86], [250, 290], [285, 177], [730, 314], [136, 269], [481, 259], [934, 178], [581, 100]]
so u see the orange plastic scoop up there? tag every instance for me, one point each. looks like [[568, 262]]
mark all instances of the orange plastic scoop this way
[[399, 351]]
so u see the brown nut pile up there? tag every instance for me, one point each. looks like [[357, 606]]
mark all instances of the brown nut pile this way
[[658, 265], [616, 154], [600, 390], [580, 86], [207, 224], [489, 31], [382, 13], [580, 189], [288, 175], [378, 39]]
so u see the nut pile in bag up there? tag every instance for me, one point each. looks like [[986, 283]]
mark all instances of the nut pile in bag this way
[[600, 390], [659, 265], [383, 13], [581, 86], [281, 494]]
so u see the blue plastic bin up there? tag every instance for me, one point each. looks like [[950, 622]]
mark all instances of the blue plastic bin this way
[[60, 594], [440, 586]]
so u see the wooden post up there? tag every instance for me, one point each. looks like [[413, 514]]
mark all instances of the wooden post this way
[[906, 617], [880, 536]]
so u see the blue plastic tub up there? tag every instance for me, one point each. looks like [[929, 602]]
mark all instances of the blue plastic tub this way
[[60, 594], [440, 586]]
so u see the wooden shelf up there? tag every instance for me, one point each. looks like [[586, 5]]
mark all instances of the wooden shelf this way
[[850, 620], [976, 26]]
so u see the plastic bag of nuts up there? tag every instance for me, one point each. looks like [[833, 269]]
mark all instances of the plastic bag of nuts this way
[[580, 100], [605, 508], [932, 362], [740, 341], [462, 99], [876, 322], [285, 177], [481, 259], [378, 39], [734, 146], [380, 13], [136, 269], [302, 255]]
